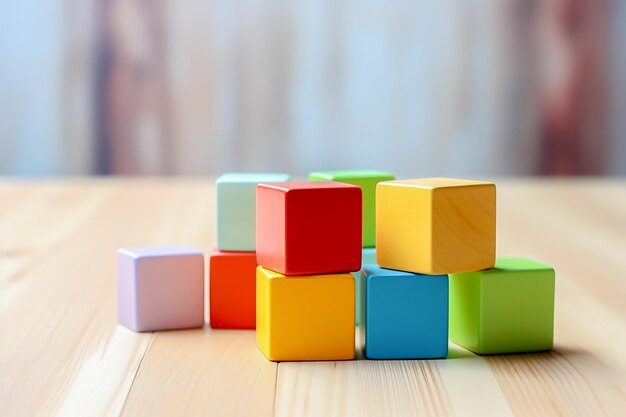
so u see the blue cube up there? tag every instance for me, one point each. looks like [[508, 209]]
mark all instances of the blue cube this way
[[368, 256], [236, 209], [406, 314]]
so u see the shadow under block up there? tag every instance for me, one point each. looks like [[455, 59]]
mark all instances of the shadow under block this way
[[236, 205], [232, 290], [160, 288], [507, 309], [368, 256], [305, 318], [406, 315], [436, 225], [308, 228], [367, 180]]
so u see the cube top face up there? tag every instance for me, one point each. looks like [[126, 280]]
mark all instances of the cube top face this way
[[273, 275], [232, 290], [367, 180], [434, 183], [309, 228], [236, 208], [160, 289], [158, 251], [436, 226], [305, 318], [406, 315], [507, 309], [375, 270], [351, 174], [306, 185], [235, 255], [520, 265]]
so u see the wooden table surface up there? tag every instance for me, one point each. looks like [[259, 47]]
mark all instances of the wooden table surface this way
[[63, 353]]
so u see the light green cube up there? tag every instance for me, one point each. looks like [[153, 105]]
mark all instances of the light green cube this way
[[367, 180], [507, 309]]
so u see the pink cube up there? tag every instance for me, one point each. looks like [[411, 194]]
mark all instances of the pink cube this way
[[160, 288]]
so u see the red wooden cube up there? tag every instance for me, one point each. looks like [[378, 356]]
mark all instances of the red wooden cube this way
[[232, 290], [306, 228]]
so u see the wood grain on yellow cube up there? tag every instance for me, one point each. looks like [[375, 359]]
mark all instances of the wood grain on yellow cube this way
[[305, 317], [436, 225]]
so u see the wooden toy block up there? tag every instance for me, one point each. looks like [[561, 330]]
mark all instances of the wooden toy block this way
[[236, 206], [305, 318], [160, 288], [436, 225], [367, 180], [368, 256], [406, 315], [232, 290], [507, 309], [308, 228]]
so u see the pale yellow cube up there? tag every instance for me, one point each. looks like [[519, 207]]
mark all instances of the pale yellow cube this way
[[436, 225]]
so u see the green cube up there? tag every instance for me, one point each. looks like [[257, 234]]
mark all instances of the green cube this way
[[367, 180], [507, 309]]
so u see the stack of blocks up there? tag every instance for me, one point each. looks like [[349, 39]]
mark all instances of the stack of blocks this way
[[308, 242], [310, 238], [429, 229], [232, 266], [429, 271]]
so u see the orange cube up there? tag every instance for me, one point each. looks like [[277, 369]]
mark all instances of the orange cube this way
[[232, 290]]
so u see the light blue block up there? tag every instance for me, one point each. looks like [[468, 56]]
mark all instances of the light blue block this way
[[406, 315], [368, 256], [236, 209]]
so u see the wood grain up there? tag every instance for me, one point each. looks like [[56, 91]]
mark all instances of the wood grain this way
[[63, 353], [203, 372], [362, 388]]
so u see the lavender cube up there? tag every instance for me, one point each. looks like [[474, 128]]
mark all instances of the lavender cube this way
[[160, 288]]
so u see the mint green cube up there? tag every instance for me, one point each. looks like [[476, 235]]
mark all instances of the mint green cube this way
[[236, 209], [507, 309], [367, 180]]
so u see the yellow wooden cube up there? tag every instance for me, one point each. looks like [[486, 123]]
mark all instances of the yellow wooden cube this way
[[436, 225], [305, 318]]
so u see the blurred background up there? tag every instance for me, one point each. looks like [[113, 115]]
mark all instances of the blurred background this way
[[199, 87]]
